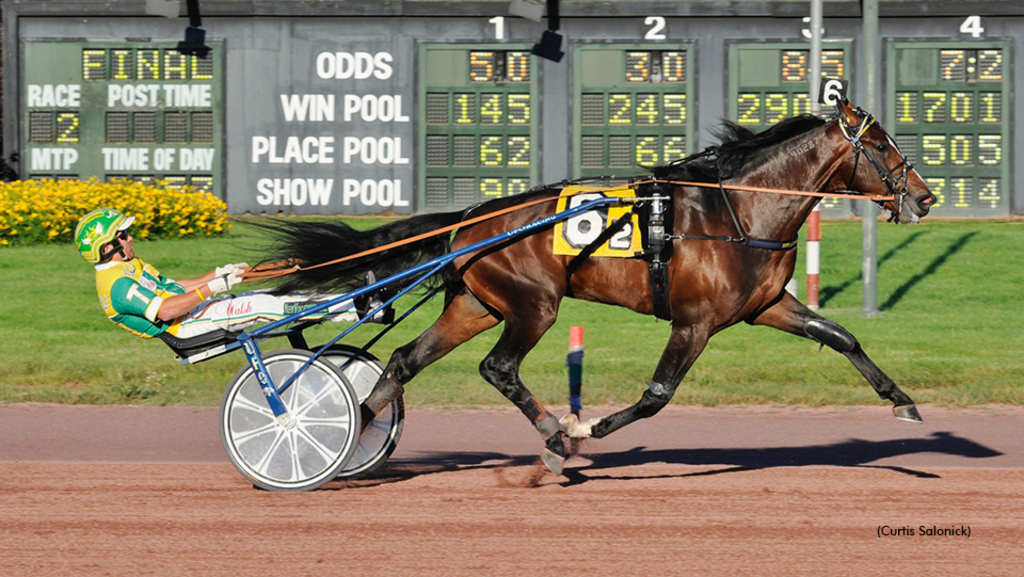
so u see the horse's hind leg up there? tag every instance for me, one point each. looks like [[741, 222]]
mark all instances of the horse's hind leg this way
[[463, 318], [791, 316]]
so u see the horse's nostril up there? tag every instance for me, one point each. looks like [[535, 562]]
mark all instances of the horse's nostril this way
[[928, 200]]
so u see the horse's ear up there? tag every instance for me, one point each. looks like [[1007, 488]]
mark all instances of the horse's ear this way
[[848, 112]]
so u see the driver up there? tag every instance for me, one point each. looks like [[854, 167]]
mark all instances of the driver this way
[[137, 298]]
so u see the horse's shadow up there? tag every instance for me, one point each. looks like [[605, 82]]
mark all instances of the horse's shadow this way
[[851, 453]]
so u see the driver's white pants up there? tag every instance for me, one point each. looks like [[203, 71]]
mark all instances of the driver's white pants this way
[[240, 311]]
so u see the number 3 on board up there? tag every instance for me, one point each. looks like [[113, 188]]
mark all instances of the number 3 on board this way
[[972, 26]]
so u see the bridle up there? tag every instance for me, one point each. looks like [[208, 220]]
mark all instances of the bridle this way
[[896, 183]]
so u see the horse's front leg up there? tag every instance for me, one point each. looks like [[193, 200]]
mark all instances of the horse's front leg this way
[[791, 316], [684, 346]]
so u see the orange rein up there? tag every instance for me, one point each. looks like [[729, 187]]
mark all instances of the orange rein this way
[[284, 267]]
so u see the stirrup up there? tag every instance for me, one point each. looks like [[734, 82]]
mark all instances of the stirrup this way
[[371, 301]]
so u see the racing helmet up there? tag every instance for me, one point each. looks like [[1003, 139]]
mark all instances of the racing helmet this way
[[98, 228]]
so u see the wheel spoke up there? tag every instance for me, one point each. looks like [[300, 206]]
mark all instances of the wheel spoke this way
[[338, 422], [263, 409], [324, 451], [243, 436], [300, 411], [264, 463]]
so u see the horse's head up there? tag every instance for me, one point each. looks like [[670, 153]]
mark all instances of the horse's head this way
[[879, 168]]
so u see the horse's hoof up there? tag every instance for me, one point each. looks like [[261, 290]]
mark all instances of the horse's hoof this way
[[553, 455], [572, 426], [553, 461], [907, 413]]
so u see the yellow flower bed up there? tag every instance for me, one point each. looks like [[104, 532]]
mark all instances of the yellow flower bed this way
[[38, 211]]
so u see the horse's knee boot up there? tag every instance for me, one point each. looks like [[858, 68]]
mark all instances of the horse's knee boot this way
[[829, 333]]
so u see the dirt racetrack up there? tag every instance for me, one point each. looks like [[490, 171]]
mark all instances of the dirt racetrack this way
[[148, 491]]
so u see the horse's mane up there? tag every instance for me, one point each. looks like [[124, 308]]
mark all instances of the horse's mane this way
[[738, 146]]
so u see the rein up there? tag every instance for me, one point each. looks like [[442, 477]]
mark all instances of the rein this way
[[285, 267]]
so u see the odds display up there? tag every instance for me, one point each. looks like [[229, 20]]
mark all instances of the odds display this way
[[771, 82], [632, 110], [945, 109], [477, 124], [141, 112]]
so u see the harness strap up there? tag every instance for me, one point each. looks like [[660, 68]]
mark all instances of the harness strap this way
[[577, 261], [658, 272]]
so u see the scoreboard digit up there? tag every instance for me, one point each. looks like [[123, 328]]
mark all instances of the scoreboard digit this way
[[116, 110], [632, 106], [477, 124], [771, 82], [945, 104]]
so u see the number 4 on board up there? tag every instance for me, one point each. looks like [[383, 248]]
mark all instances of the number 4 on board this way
[[972, 26]]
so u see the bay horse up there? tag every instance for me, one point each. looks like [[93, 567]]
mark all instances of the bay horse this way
[[731, 258]]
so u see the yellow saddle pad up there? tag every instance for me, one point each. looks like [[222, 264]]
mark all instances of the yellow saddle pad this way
[[575, 234]]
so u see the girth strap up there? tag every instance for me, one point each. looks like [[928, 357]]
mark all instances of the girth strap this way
[[658, 271]]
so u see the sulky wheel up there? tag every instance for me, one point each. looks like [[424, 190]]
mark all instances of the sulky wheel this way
[[302, 458], [380, 437]]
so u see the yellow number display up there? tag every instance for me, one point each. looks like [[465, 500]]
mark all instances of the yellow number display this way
[[465, 109], [949, 121], [519, 151], [906, 107], [934, 147], [620, 109], [673, 148], [961, 107], [491, 109], [934, 106], [991, 107], [961, 189], [647, 109], [801, 104], [674, 106], [67, 127], [491, 153], [518, 108], [647, 150], [749, 106], [988, 192], [961, 147], [990, 149], [491, 186], [776, 107], [938, 188]]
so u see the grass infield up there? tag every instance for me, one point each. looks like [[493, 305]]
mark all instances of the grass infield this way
[[949, 332]]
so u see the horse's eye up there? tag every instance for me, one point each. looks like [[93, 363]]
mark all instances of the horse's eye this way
[[883, 147]]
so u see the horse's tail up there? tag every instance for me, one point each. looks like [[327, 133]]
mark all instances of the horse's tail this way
[[312, 243]]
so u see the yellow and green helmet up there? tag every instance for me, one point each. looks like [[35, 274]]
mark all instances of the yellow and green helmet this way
[[97, 229]]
